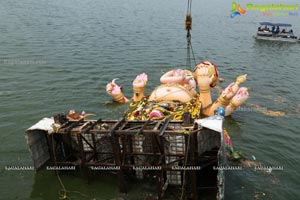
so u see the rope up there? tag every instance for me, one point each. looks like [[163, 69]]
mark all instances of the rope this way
[[189, 7], [63, 192], [188, 27], [193, 54], [185, 161], [188, 57], [189, 49]]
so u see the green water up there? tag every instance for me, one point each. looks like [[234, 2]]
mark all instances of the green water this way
[[59, 55]]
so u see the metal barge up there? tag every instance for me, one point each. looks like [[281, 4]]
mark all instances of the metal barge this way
[[182, 156]]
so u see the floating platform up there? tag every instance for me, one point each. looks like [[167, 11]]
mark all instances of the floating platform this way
[[182, 156]]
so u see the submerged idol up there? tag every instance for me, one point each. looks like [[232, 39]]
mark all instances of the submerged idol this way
[[178, 94]]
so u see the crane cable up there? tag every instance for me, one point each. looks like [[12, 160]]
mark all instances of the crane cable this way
[[188, 28]]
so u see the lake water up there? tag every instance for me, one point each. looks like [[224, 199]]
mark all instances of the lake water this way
[[59, 55]]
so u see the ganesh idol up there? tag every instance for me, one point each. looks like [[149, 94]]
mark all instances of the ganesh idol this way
[[181, 86]]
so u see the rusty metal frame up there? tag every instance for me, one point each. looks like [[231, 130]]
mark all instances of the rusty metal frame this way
[[120, 134]]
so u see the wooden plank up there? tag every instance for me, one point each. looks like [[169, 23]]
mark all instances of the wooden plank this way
[[143, 127], [116, 149], [164, 127]]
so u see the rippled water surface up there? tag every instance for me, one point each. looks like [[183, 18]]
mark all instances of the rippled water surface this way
[[59, 55]]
